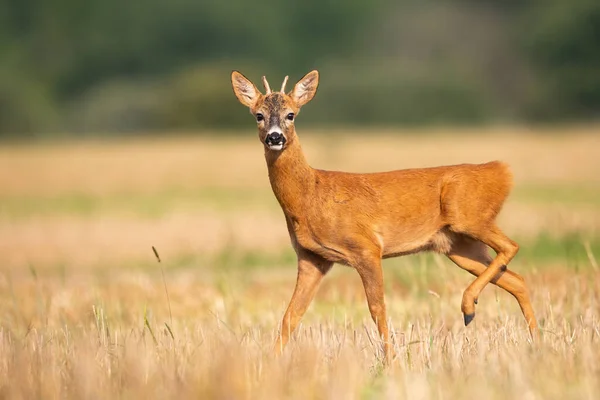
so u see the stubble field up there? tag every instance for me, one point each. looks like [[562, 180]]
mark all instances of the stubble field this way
[[87, 311]]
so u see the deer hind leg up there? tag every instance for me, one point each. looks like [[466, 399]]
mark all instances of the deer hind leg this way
[[311, 269], [371, 274], [472, 256], [505, 250]]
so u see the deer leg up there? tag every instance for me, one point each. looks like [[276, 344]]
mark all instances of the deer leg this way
[[473, 257], [311, 269], [505, 250], [371, 275]]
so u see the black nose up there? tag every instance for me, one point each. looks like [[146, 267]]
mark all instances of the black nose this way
[[274, 138]]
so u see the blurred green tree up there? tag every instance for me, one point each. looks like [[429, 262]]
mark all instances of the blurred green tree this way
[[563, 41], [103, 65]]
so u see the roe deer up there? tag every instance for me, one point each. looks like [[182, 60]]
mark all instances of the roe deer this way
[[358, 219]]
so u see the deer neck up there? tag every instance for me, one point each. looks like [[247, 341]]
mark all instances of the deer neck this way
[[292, 179]]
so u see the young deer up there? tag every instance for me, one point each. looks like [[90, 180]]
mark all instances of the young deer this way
[[358, 219]]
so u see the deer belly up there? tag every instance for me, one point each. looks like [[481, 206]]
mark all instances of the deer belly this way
[[439, 241]]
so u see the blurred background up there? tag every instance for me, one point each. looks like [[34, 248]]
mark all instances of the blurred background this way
[[119, 131], [106, 67]]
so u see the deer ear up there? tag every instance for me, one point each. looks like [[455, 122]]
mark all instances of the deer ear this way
[[244, 90], [306, 88]]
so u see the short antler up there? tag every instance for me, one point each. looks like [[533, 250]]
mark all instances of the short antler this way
[[266, 84], [283, 84]]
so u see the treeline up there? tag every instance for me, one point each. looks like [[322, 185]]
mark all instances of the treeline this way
[[108, 66]]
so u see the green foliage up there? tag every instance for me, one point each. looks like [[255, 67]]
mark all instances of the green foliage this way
[[563, 40], [201, 97], [110, 66]]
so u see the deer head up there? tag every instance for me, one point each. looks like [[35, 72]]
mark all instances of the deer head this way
[[275, 112]]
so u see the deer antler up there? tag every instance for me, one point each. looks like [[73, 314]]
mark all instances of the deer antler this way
[[266, 84], [283, 84]]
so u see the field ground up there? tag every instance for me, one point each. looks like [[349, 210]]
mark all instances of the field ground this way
[[86, 310]]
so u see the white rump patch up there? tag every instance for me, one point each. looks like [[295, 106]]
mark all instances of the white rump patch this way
[[441, 242]]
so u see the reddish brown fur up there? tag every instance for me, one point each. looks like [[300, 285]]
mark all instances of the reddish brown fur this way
[[358, 219]]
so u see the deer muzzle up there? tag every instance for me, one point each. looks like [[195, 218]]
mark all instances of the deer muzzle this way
[[275, 140]]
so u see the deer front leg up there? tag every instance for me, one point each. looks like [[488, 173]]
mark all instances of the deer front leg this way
[[311, 269], [371, 274]]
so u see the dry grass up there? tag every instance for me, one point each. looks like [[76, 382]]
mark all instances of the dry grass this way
[[97, 203], [87, 312], [82, 337]]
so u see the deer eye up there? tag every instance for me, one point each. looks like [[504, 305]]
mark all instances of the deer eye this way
[[290, 116], [259, 117]]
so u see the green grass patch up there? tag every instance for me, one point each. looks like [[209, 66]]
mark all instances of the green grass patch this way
[[561, 194], [410, 272], [574, 249], [156, 204], [229, 259], [570, 250], [142, 204]]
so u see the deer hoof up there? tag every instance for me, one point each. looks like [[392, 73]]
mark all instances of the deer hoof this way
[[469, 318]]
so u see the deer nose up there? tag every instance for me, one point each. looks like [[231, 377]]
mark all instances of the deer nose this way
[[274, 138]]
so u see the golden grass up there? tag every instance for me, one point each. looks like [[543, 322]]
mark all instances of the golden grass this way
[[146, 165], [82, 337], [87, 312], [123, 179]]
